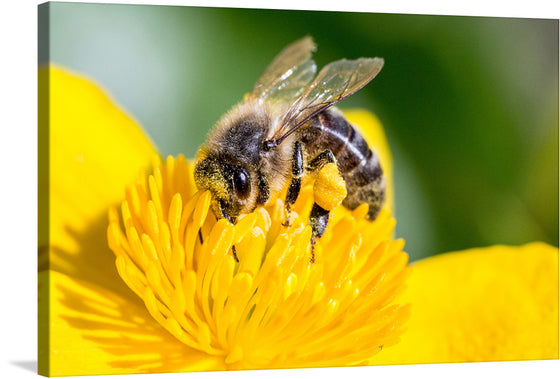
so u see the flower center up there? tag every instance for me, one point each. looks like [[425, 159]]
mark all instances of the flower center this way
[[273, 308]]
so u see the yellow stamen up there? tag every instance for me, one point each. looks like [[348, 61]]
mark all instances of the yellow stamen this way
[[273, 308]]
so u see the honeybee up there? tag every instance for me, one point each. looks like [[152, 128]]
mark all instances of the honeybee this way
[[287, 128]]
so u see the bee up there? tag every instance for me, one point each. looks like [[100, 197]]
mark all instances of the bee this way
[[286, 129]]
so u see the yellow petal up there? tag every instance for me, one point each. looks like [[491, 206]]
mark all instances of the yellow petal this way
[[372, 130], [95, 331], [488, 304], [90, 150]]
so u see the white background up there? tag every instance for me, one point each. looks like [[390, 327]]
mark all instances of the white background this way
[[18, 185]]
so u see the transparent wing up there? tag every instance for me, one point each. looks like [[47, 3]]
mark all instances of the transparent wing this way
[[335, 82], [288, 74]]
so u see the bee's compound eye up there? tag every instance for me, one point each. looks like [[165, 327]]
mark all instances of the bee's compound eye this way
[[241, 183]]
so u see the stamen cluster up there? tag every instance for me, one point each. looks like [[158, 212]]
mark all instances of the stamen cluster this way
[[273, 308]]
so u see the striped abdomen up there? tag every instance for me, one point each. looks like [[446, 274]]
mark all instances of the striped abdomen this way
[[357, 163]]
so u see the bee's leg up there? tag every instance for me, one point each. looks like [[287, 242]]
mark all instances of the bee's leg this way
[[318, 219], [295, 184], [264, 190], [320, 160], [231, 221], [329, 191]]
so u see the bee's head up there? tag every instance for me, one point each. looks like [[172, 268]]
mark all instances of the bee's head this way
[[229, 184]]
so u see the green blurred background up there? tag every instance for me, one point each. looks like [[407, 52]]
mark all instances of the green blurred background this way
[[470, 104]]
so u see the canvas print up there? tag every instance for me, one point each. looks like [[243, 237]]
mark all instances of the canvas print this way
[[240, 189]]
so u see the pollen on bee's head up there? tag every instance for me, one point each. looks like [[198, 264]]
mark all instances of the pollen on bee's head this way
[[209, 175]]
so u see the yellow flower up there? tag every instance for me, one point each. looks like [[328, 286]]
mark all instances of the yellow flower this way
[[193, 308]]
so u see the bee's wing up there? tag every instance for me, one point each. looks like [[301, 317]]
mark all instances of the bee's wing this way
[[288, 74], [334, 82]]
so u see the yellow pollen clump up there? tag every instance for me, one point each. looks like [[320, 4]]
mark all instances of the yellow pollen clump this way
[[329, 189], [273, 308]]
